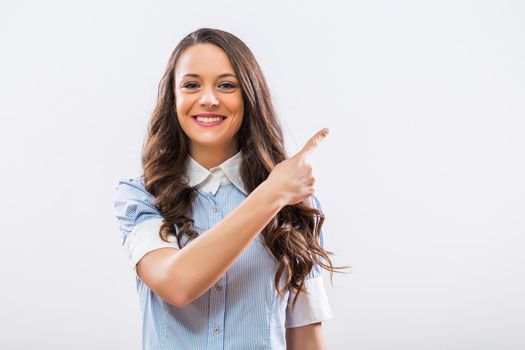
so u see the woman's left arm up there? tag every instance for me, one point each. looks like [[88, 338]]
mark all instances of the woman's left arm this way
[[309, 337]]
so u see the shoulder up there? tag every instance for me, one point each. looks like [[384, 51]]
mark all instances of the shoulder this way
[[132, 203], [131, 188], [137, 181]]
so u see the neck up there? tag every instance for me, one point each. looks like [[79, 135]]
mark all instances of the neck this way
[[210, 157]]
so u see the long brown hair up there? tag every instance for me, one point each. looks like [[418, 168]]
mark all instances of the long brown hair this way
[[293, 234]]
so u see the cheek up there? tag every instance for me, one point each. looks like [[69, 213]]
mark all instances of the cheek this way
[[235, 104], [182, 104]]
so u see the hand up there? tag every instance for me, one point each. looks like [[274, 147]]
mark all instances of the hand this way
[[292, 179]]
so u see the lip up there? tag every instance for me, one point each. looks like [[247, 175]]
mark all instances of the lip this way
[[208, 115]]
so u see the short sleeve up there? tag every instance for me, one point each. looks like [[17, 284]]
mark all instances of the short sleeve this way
[[139, 220], [314, 306]]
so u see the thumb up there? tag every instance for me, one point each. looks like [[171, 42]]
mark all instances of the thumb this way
[[313, 142]]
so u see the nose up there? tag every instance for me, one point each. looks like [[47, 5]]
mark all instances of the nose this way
[[208, 98]]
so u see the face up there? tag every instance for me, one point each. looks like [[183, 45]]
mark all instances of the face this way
[[208, 96]]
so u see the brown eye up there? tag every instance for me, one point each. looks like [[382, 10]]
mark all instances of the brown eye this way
[[227, 85], [190, 85]]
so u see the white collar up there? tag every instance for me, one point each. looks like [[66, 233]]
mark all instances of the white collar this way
[[210, 180]]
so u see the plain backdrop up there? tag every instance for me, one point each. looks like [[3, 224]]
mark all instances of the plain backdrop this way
[[421, 178]]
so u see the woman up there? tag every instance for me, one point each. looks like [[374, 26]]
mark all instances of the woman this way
[[222, 229]]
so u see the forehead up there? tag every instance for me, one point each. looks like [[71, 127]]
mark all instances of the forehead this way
[[206, 60]]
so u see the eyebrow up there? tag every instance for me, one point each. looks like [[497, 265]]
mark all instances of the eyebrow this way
[[220, 76]]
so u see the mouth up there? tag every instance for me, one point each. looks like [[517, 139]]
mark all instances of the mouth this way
[[208, 119]]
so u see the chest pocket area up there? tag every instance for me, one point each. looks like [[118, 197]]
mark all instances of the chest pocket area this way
[[199, 229]]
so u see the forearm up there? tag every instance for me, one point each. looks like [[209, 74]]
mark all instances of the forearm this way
[[201, 263]]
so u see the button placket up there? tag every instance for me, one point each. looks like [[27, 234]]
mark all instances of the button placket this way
[[217, 304], [217, 301]]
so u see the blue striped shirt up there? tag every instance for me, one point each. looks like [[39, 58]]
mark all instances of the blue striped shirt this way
[[242, 310]]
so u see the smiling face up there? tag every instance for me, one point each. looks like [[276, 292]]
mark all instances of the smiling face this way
[[206, 85]]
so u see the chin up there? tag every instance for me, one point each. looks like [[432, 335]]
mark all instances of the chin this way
[[208, 141]]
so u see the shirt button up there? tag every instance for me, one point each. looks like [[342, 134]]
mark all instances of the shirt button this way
[[215, 209], [216, 330], [218, 286]]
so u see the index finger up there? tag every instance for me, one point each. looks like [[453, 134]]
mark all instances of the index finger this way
[[314, 141]]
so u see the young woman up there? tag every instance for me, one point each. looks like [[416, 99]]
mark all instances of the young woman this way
[[222, 228]]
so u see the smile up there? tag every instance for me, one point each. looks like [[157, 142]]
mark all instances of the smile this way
[[207, 120]]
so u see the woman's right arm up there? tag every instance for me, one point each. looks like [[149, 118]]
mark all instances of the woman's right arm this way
[[181, 276]]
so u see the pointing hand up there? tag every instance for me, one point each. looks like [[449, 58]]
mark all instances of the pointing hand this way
[[293, 177]]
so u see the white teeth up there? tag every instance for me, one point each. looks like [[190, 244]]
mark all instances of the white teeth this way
[[208, 120]]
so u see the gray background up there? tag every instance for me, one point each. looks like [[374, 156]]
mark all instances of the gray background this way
[[421, 177]]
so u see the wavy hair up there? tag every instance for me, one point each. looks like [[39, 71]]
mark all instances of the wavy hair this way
[[293, 235]]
